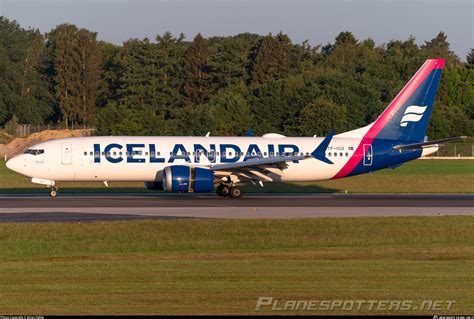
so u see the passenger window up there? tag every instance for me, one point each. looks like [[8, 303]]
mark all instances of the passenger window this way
[[85, 153]]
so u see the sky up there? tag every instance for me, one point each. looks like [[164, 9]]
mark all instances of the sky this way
[[318, 21]]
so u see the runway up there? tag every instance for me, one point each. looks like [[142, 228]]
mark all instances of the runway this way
[[165, 206]]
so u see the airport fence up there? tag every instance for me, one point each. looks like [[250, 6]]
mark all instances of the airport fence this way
[[458, 150], [23, 130]]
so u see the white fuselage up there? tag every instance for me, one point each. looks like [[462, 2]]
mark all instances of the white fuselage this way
[[80, 159]]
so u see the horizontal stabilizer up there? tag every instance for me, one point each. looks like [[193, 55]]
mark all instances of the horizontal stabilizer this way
[[425, 144]]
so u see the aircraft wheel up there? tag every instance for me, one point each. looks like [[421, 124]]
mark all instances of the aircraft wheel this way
[[235, 192], [222, 190], [53, 192]]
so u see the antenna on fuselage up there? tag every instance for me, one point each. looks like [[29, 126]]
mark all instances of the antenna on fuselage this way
[[208, 133]]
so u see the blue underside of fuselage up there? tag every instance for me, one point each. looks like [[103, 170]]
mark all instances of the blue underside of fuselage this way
[[384, 156]]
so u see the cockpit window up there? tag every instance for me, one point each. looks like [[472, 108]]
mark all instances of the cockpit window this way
[[34, 152]]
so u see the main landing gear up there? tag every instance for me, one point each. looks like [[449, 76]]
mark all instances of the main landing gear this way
[[53, 192], [233, 191]]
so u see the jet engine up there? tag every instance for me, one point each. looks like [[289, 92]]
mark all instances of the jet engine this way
[[184, 179], [154, 186]]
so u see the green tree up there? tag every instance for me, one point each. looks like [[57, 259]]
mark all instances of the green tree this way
[[110, 72], [470, 59], [321, 116], [140, 75], [276, 58], [90, 74], [231, 60], [230, 114], [172, 51], [23, 90], [192, 121], [439, 47], [76, 72], [61, 42], [268, 106], [196, 72], [35, 102]]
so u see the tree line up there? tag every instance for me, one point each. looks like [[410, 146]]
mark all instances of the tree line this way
[[225, 85]]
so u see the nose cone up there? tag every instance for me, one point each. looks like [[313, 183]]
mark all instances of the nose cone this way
[[15, 164]]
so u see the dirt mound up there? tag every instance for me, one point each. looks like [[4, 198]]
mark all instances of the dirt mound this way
[[18, 145]]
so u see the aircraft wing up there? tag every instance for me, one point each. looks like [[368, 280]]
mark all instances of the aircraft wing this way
[[256, 169], [425, 144], [267, 161]]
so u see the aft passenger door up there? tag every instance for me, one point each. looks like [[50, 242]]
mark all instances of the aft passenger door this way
[[66, 153], [368, 155]]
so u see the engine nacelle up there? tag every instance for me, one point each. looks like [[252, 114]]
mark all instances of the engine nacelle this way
[[154, 186], [183, 179]]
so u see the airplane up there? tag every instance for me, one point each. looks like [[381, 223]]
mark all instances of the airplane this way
[[222, 164]]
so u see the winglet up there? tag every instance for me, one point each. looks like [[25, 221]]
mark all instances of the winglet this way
[[320, 152]]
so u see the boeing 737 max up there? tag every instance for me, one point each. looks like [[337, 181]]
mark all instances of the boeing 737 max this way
[[205, 164]]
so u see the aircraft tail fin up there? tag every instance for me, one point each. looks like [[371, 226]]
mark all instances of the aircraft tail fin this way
[[407, 116]]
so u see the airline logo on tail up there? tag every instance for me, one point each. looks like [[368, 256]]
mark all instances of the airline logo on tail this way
[[413, 113]]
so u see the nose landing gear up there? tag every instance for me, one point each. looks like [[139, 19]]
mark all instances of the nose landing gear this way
[[53, 192]]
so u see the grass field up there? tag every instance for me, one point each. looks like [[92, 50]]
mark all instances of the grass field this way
[[421, 176], [223, 266]]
